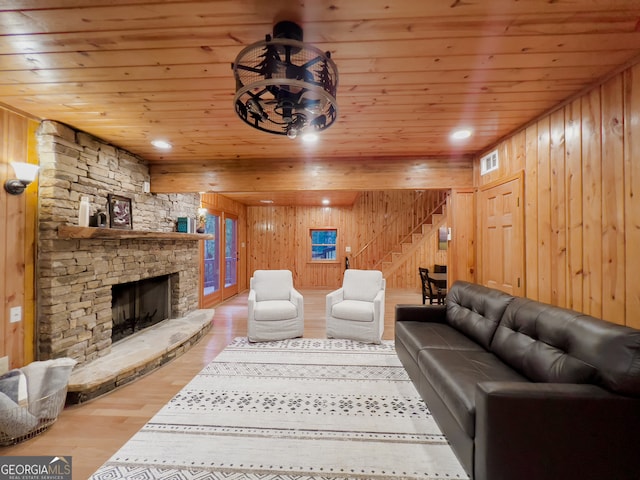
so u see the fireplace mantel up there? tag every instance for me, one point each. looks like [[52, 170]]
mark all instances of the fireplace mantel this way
[[75, 232]]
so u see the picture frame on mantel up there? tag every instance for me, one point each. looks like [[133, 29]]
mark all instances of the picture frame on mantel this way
[[120, 212]]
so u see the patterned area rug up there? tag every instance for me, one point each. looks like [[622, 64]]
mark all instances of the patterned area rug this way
[[303, 409]]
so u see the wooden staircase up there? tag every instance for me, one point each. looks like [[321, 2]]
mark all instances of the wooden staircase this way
[[408, 247], [389, 249]]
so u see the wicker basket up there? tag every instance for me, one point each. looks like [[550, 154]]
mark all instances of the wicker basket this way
[[47, 409]]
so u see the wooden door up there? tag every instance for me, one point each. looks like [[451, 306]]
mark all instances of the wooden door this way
[[502, 239]]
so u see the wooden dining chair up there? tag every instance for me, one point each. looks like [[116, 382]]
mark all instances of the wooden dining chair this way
[[427, 290], [440, 292]]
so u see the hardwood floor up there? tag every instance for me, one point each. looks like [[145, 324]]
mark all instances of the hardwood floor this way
[[92, 432]]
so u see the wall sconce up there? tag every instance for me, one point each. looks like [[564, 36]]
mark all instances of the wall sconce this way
[[26, 173]]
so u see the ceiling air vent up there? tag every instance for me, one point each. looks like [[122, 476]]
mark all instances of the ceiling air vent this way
[[489, 163]]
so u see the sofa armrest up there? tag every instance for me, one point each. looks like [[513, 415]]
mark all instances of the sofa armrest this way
[[421, 313], [530, 431]]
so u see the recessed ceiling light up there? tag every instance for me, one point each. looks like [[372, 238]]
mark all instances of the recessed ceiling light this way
[[326, 201], [461, 134], [266, 201], [162, 144]]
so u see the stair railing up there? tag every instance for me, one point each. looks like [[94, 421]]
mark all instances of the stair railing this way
[[376, 250]]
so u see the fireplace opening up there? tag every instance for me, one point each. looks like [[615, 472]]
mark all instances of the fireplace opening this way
[[139, 305]]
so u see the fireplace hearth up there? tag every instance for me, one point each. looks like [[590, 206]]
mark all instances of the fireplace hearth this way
[[139, 305]]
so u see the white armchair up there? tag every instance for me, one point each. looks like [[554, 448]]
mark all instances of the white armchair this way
[[356, 311], [276, 310]]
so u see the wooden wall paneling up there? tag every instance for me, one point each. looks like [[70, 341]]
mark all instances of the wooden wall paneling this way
[[242, 279], [338, 217], [16, 150], [382, 219], [592, 201], [31, 199], [544, 211], [558, 245], [462, 251], [278, 237], [480, 212], [272, 240], [632, 193], [573, 176], [518, 152], [531, 211], [581, 204], [613, 228], [4, 232], [367, 226]]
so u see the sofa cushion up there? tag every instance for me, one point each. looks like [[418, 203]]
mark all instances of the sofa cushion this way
[[476, 310], [552, 344], [454, 374], [418, 335]]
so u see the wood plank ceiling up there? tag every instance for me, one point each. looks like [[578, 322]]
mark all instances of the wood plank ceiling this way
[[411, 72]]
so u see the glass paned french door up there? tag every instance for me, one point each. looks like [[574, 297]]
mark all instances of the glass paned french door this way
[[230, 256], [211, 284]]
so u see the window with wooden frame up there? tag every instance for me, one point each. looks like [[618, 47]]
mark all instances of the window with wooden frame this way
[[324, 244]]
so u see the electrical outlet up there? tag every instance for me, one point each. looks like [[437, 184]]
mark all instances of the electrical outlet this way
[[15, 314]]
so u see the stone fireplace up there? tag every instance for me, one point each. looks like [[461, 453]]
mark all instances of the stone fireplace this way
[[76, 276]]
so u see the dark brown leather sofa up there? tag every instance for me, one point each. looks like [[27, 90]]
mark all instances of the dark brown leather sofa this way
[[524, 390]]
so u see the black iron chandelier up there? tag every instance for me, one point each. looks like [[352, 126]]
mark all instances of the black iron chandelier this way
[[285, 86]]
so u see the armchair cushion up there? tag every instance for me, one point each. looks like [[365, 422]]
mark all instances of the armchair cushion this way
[[272, 284], [275, 310], [362, 285], [355, 310]]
